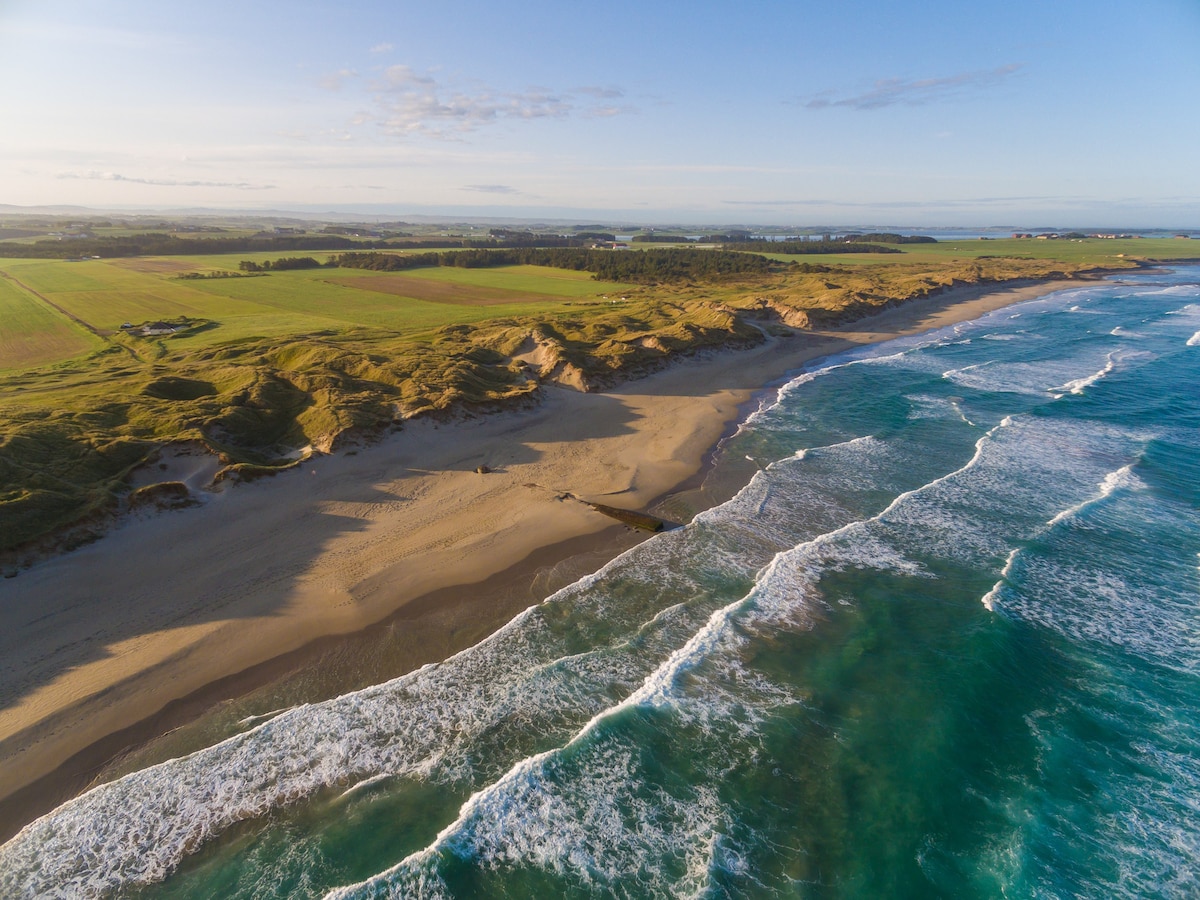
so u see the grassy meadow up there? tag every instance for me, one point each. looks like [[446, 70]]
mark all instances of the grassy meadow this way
[[1088, 251], [109, 293], [265, 364], [33, 333]]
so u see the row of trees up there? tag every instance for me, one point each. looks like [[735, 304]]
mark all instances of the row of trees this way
[[661, 239], [808, 247], [279, 265], [160, 244], [666, 264], [887, 237]]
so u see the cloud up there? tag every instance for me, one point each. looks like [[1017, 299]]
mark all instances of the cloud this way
[[334, 80], [601, 93], [967, 202], [605, 112], [914, 92], [491, 188], [382, 48], [164, 182], [412, 103]]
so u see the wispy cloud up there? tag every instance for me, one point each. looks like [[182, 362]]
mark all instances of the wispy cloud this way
[[412, 103], [913, 92], [491, 188], [382, 48], [600, 92], [334, 81], [164, 182], [968, 202]]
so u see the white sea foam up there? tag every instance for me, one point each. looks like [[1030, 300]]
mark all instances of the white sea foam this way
[[1113, 481], [1174, 290], [956, 405], [951, 374], [864, 356], [1194, 340], [366, 784], [867, 442], [990, 598], [262, 717], [1031, 379], [1136, 597], [1019, 479], [1079, 385], [925, 406], [767, 406]]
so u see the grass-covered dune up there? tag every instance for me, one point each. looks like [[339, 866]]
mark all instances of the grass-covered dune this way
[[262, 369]]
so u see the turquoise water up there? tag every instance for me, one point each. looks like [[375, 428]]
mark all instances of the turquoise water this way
[[945, 643]]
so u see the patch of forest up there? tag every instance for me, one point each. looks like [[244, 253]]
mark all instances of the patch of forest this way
[[646, 267], [160, 244]]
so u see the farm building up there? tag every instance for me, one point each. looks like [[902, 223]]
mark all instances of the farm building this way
[[155, 329]]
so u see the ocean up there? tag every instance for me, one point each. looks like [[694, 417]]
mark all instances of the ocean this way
[[943, 641]]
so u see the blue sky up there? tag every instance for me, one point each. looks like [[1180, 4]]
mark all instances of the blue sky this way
[[1028, 113]]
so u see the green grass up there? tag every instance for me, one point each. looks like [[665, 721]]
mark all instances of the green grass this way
[[108, 293], [55, 276], [33, 334], [1090, 251], [534, 279]]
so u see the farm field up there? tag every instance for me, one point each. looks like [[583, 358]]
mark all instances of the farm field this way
[[1091, 251], [33, 334], [108, 293]]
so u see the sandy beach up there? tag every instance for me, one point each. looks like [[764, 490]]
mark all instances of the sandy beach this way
[[96, 643]]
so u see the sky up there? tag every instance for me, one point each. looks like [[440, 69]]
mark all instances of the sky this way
[[939, 112]]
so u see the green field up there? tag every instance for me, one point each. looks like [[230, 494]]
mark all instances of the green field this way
[[108, 293], [34, 334], [1089, 251]]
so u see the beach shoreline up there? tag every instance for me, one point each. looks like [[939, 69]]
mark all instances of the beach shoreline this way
[[113, 643]]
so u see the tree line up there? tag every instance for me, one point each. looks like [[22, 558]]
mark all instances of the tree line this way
[[160, 244], [807, 247], [649, 266], [887, 237], [279, 265]]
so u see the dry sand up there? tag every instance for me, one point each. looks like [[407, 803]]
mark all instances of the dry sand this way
[[102, 638]]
